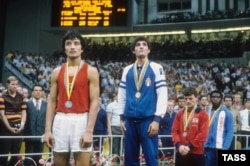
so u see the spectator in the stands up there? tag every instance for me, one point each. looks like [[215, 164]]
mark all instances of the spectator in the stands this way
[[187, 72], [26, 93]]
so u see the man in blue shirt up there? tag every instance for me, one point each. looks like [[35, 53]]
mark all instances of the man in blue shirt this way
[[221, 128], [142, 97]]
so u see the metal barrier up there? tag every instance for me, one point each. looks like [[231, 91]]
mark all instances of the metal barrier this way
[[103, 154], [241, 142]]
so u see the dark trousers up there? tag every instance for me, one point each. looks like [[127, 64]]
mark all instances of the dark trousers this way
[[33, 146], [136, 136], [211, 156], [9, 145], [190, 160], [116, 141]]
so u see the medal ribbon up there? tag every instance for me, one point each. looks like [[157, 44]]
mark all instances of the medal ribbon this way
[[138, 80], [214, 115], [187, 119], [70, 89]]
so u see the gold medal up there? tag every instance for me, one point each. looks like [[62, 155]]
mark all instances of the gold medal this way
[[211, 119], [187, 119], [137, 95]]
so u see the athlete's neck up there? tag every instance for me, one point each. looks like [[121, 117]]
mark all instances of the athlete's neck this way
[[140, 61], [215, 107], [73, 62], [189, 109]]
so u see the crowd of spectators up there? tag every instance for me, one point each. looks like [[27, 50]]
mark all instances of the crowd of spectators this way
[[110, 59], [196, 16], [175, 47]]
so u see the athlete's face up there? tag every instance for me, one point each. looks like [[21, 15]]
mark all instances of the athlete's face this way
[[73, 48], [216, 99], [191, 101], [141, 49]]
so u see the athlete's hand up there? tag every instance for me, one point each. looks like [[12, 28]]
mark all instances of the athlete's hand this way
[[49, 139], [183, 150], [153, 129], [123, 128], [86, 140], [187, 149]]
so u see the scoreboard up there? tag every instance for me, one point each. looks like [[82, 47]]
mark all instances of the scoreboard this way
[[89, 13]]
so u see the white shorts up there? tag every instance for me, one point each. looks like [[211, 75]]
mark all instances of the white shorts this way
[[67, 130]]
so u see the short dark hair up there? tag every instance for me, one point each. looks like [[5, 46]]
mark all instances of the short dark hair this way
[[228, 96], [190, 91], [37, 85], [180, 97], [216, 91], [73, 34], [201, 96], [139, 38]]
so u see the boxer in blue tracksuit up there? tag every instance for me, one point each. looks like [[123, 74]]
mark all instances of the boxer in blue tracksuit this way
[[142, 102], [221, 129]]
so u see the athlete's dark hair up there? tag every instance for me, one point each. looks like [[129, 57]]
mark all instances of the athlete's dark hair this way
[[190, 91], [139, 38], [216, 91], [72, 34]]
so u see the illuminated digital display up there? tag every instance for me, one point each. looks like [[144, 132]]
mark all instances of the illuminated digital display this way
[[89, 13]]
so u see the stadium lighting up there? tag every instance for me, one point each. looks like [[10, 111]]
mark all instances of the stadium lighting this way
[[220, 30], [134, 34]]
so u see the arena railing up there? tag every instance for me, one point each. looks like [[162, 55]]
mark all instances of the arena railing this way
[[104, 153]]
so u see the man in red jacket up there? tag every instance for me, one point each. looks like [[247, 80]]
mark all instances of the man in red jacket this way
[[189, 131]]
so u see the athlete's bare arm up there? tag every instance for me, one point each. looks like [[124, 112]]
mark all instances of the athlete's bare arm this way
[[94, 93], [50, 113]]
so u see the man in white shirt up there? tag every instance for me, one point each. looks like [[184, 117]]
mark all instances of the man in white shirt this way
[[113, 119], [245, 124]]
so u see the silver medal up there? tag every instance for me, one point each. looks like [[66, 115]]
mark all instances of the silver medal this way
[[68, 104]]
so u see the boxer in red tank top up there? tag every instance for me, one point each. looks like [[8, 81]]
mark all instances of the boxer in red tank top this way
[[72, 105]]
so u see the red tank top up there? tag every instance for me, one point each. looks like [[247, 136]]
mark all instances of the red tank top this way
[[80, 93]]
